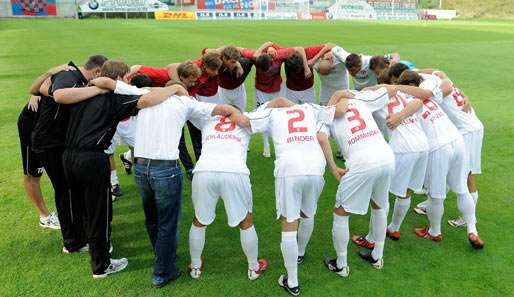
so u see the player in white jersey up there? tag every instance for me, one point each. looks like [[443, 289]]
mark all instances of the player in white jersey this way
[[370, 166], [222, 171], [333, 76], [358, 67], [299, 168], [447, 164], [459, 110], [410, 147]]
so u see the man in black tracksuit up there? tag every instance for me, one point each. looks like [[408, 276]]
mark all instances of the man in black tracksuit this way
[[92, 124], [48, 141]]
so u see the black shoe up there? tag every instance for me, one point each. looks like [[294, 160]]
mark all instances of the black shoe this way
[[378, 264], [127, 164], [116, 190], [166, 282], [331, 264], [282, 281], [340, 156], [300, 259]]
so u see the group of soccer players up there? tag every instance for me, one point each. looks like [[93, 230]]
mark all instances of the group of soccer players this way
[[399, 130]]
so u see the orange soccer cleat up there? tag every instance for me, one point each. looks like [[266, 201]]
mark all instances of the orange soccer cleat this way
[[363, 242], [475, 241], [423, 233]]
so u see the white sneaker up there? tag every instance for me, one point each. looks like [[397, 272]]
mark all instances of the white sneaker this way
[[266, 152], [50, 222], [421, 208], [195, 272], [117, 265], [81, 250], [379, 264], [457, 223]]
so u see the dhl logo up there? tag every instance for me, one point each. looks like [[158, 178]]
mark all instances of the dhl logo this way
[[175, 15]]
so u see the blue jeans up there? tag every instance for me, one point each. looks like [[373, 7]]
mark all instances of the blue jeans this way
[[160, 187]]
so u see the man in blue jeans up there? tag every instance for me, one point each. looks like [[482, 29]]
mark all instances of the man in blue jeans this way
[[158, 177]]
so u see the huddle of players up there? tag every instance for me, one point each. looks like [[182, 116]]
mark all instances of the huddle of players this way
[[425, 147]]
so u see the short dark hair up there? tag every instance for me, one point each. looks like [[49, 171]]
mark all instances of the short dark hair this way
[[141, 81], [230, 52], [353, 60], [410, 78], [384, 77], [187, 69], [264, 62], [379, 62], [294, 63], [397, 69], [114, 69], [96, 61], [212, 61]]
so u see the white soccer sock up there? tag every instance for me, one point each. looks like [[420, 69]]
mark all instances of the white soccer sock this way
[[467, 210], [114, 177], [196, 244], [289, 247], [340, 238], [250, 245], [128, 155], [369, 237], [401, 207], [265, 140], [474, 195], [379, 227], [435, 210], [304, 234]]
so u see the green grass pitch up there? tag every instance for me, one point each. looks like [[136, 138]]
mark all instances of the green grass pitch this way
[[476, 55]]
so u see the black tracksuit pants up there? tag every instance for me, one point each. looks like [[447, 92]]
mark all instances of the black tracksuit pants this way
[[196, 140], [88, 174], [70, 216]]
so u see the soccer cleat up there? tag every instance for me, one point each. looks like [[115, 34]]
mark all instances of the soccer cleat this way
[[394, 235], [457, 223], [116, 191], [282, 281], [50, 222], [255, 274], [196, 272], [378, 263], [116, 265], [363, 242], [421, 210], [475, 241], [340, 156], [423, 233], [81, 250], [331, 264], [127, 164], [301, 259]]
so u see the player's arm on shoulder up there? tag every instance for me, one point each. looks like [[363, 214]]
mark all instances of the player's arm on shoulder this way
[[172, 71], [259, 51], [279, 102], [339, 95], [104, 83], [341, 108], [326, 48], [306, 69], [38, 82], [224, 110], [75, 95], [133, 70], [393, 120], [158, 95], [329, 156], [414, 91]]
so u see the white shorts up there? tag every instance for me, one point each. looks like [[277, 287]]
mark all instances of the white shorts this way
[[125, 134], [447, 166], [235, 96], [296, 194], [235, 191], [299, 97], [215, 99], [259, 97], [473, 141], [409, 172], [358, 187]]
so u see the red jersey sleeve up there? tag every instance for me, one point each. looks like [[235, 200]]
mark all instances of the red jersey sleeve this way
[[159, 76], [283, 53], [312, 51], [247, 53]]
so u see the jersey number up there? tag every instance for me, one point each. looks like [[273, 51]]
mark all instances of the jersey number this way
[[431, 107], [356, 118], [458, 96], [398, 101], [291, 123], [224, 126]]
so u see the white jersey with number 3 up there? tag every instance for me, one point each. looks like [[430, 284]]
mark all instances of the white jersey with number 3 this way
[[437, 126], [224, 145], [294, 133], [357, 134]]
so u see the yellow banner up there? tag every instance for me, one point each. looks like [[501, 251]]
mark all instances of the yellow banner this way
[[175, 15]]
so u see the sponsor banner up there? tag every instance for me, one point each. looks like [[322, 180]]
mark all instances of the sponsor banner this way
[[351, 9], [312, 16], [223, 15], [235, 5], [175, 15], [282, 15], [95, 6], [33, 8], [184, 2], [205, 15]]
